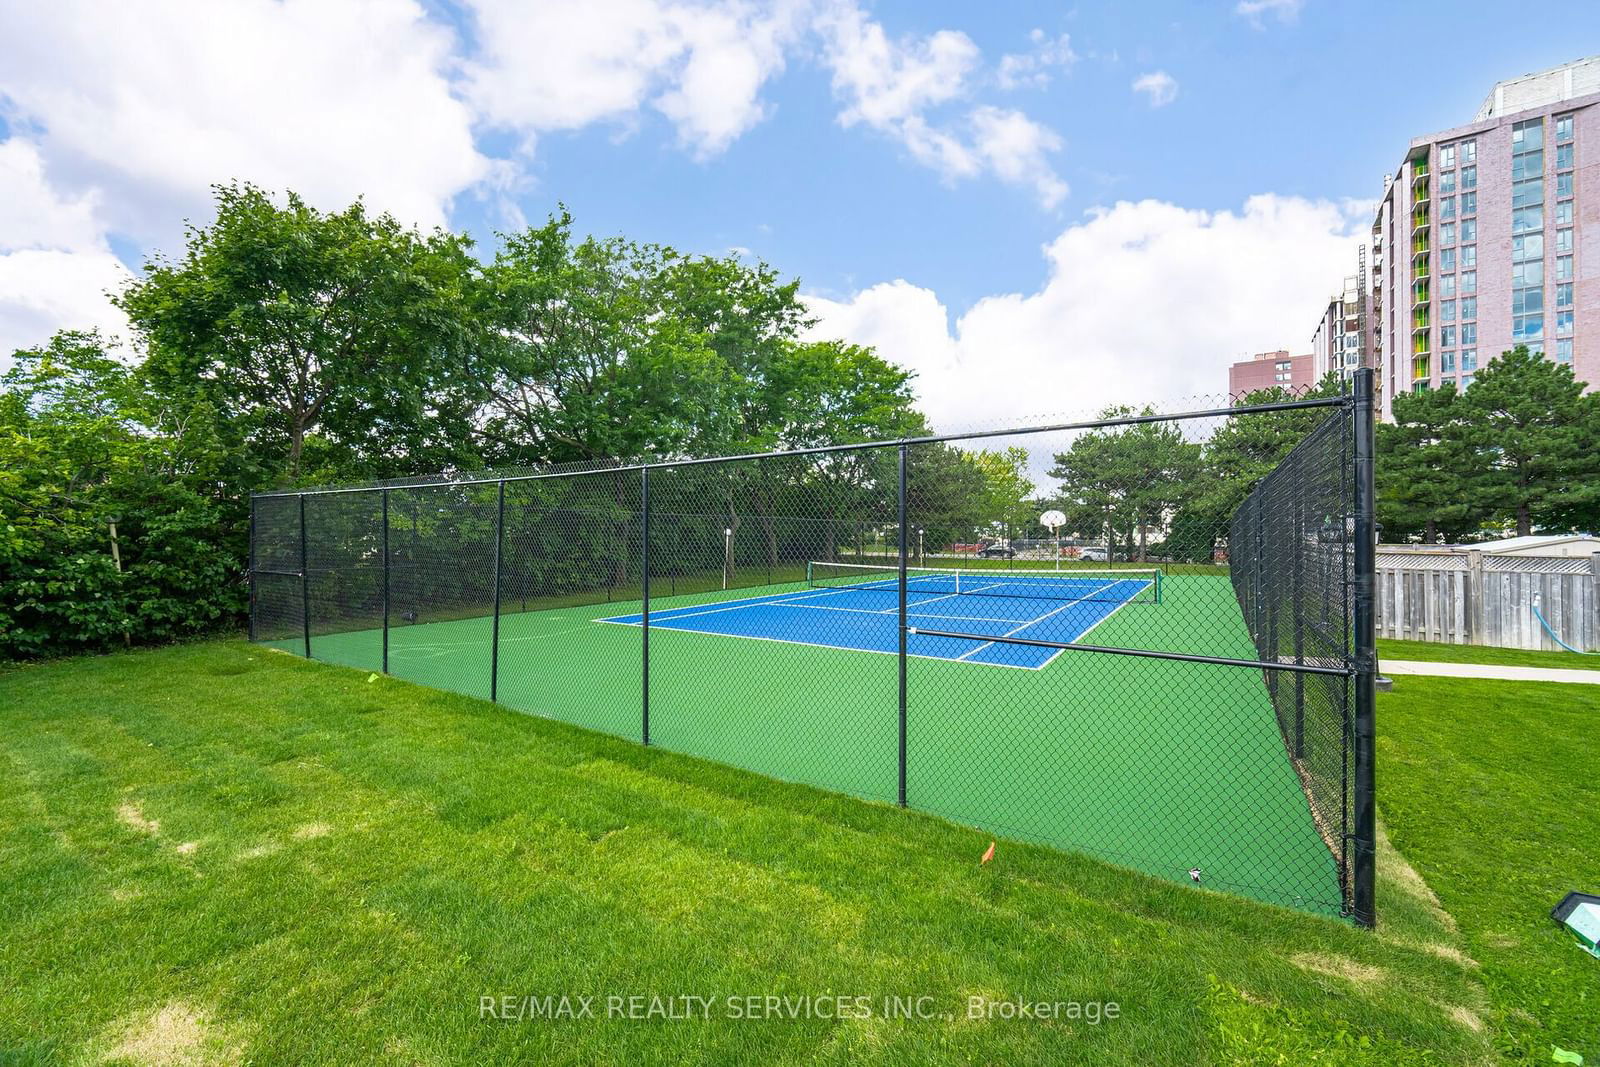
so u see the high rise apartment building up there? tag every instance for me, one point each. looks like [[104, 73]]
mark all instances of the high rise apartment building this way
[[1478, 244], [1336, 344], [1268, 370]]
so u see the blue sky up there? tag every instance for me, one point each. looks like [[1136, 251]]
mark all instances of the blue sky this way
[[978, 190]]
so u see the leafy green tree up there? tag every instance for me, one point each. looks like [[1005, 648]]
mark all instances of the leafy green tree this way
[[1009, 497], [111, 531], [1425, 465], [291, 322], [1535, 432]]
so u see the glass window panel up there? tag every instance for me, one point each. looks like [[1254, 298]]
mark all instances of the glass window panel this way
[[1469, 333], [1563, 127], [1469, 177], [1447, 207], [1527, 136], [1526, 247], [1447, 335], [1447, 156], [1447, 259], [1564, 268], [1447, 362], [1447, 234], [1447, 285], [1564, 184], [1563, 214], [1447, 311], [1530, 273], [1469, 151], [1469, 203], [1563, 294], [1524, 219], [1469, 281], [1564, 157], [1469, 307], [1447, 182], [1563, 322], [1564, 350], [1527, 165], [1563, 240], [1469, 256], [1526, 193]]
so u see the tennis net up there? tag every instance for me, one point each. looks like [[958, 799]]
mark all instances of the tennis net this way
[[1119, 585]]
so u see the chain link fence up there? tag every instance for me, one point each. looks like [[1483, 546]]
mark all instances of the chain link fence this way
[[1179, 680]]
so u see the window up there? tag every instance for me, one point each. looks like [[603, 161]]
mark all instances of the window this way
[[1469, 203], [1530, 273], [1528, 246], [1447, 234], [1447, 362], [1469, 230], [1563, 294], [1469, 361], [1469, 256], [1527, 136], [1563, 127], [1564, 157], [1447, 157], [1526, 329], [1564, 350], [1469, 151], [1564, 323], [1447, 311], [1446, 381], [1469, 333], [1525, 301], [1447, 336], [1524, 219], [1447, 285], [1447, 182], [1564, 213], [1469, 177], [1447, 207], [1564, 240], [1466, 380], [1564, 184], [1447, 259], [1527, 192], [1563, 268], [1469, 307], [1527, 165]]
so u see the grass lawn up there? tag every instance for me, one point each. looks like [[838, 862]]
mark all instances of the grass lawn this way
[[1489, 789], [223, 852], [1429, 651]]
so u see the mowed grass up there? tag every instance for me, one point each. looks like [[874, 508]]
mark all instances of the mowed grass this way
[[219, 853], [1489, 788], [1429, 651]]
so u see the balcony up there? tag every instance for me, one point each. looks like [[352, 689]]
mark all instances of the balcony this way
[[1420, 319], [1421, 270], [1419, 294], [1419, 344], [1419, 221]]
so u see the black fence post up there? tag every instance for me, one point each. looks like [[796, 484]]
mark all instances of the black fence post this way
[[252, 575], [385, 494], [903, 623], [1366, 652], [499, 539], [1298, 595], [644, 589], [305, 580]]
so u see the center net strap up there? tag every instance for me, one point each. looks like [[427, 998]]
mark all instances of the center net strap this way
[[1115, 585]]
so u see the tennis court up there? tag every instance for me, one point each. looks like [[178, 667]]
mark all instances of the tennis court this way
[[1195, 720], [861, 602]]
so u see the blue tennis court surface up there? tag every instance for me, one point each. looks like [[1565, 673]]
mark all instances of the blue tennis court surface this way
[[855, 608]]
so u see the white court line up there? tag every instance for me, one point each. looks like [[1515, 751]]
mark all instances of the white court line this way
[[1041, 618], [875, 611], [1090, 630], [814, 644], [765, 599]]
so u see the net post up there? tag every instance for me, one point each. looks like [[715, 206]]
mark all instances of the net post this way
[[385, 494], [644, 610], [1366, 651], [901, 506], [499, 539], [305, 580], [252, 622]]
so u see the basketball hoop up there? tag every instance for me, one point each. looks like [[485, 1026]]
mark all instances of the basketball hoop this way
[[1054, 520]]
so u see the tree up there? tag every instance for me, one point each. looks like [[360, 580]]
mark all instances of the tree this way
[[1535, 432], [1009, 497], [1425, 464], [291, 322]]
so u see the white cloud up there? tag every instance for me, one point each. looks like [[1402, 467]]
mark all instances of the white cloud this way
[[153, 102], [1283, 10], [1016, 149], [55, 267], [557, 66], [1033, 69], [1143, 302], [1159, 87], [890, 85]]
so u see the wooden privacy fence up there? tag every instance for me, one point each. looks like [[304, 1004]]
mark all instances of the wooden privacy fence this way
[[1464, 597]]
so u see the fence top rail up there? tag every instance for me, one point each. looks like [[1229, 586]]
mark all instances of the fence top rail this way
[[489, 478]]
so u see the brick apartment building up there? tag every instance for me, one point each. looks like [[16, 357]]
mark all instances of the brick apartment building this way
[[1267, 369]]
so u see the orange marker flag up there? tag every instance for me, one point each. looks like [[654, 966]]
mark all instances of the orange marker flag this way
[[987, 856]]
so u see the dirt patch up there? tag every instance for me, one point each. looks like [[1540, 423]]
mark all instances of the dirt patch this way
[[1333, 966], [188, 848], [312, 830], [1404, 877], [1468, 1018], [255, 852], [177, 1034], [132, 817]]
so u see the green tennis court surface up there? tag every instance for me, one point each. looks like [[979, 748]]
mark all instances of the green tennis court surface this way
[[1158, 765]]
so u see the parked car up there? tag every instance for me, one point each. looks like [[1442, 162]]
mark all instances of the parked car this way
[[1093, 555], [998, 550]]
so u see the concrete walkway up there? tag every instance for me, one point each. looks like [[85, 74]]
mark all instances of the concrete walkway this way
[[1486, 670]]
